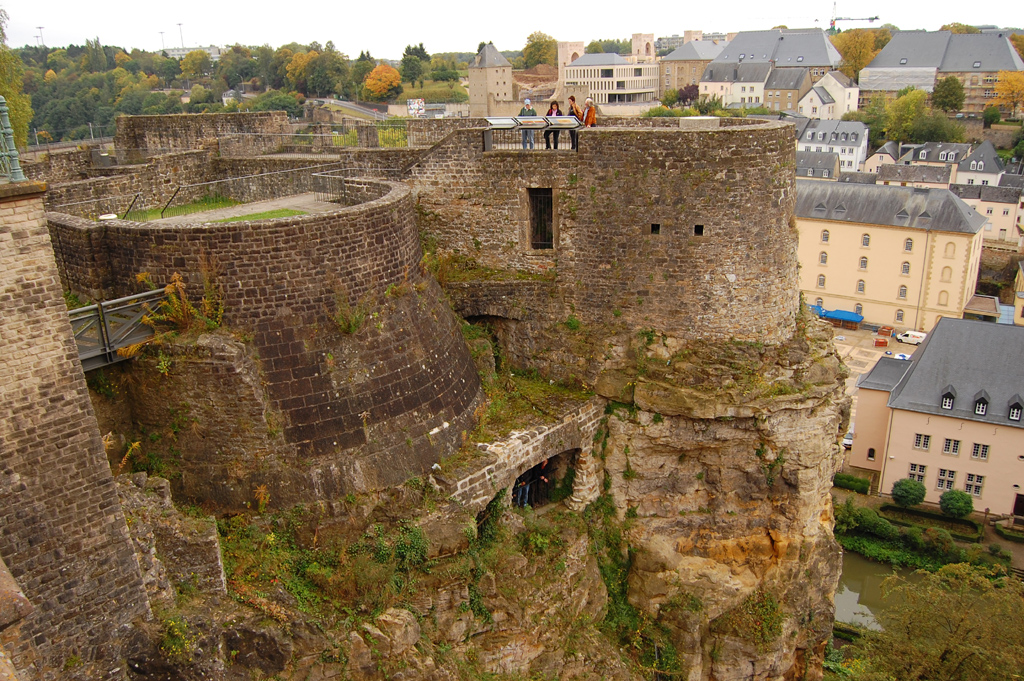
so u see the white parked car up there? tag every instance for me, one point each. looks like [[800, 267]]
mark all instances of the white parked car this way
[[911, 337], [848, 440]]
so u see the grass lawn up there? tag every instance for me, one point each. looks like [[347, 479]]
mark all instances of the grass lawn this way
[[434, 92], [266, 215]]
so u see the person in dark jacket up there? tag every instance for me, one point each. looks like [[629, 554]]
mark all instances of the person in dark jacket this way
[[553, 110]]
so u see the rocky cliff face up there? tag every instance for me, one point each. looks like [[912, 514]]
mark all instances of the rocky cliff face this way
[[724, 455]]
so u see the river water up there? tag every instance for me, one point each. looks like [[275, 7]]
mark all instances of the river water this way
[[859, 597]]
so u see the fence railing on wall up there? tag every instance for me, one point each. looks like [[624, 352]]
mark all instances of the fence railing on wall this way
[[10, 163], [323, 141], [102, 329], [99, 206]]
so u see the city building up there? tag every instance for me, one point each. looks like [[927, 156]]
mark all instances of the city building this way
[[785, 87], [950, 417], [982, 166], [736, 84], [936, 177], [685, 65], [934, 154], [847, 138], [783, 48], [1000, 208], [1018, 295], [817, 165], [887, 153], [180, 52], [844, 91], [490, 81], [568, 52], [642, 48], [612, 79], [898, 256], [921, 58], [818, 103]]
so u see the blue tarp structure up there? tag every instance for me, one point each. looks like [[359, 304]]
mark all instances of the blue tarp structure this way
[[838, 315]]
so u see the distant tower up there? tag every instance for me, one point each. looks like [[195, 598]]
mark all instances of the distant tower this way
[[567, 54], [490, 78], [643, 47]]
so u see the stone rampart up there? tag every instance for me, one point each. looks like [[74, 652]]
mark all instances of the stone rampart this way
[[64, 536], [361, 410], [684, 230], [186, 131]]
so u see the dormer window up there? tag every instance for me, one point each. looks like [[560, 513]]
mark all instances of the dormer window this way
[[903, 60], [844, 137], [948, 396], [824, 173], [810, 135], [981, 403], [853, 136], [977, 64], [942, 156], [981, 165], [951, 156], [821, 136], [974, 165], [1015, 408], [923, 155], [799, 58]]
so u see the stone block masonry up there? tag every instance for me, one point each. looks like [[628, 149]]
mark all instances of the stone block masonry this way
[[357, 411], [64, 537], [186, 131]]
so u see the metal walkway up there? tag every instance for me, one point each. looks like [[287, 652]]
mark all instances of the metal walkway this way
[[101, 329]]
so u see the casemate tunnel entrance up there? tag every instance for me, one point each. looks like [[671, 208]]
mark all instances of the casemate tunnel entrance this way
[[548, 482]]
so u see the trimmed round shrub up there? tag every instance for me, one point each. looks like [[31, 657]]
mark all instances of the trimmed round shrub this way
[[908, 492], [870, 522], [956, 504], [913, 538]]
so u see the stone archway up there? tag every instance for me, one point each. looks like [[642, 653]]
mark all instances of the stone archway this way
[[547, 482]]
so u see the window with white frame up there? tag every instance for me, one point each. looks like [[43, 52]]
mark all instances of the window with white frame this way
[[908, 245], [974, 165], [922, 441], [946, 479], [917, 472], [860, 286], [947, 402], [858, 309], [905, 268], [981, 165], [902, 293], [819, 302], [1015, 413], [823, 258], [980, 407], [821, 281], [865, 240], [951, 446], [980, 452], [973, 484], [863, 263], [899, 315]]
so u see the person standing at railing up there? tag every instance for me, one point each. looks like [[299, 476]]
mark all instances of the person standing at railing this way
[[553, 110], [589, 114], [574, 110], [527, 110]]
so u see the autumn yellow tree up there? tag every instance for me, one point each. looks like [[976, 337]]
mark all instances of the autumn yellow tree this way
[[1018, 44], [382, 83], [298, 69], [857, 47], [1010, 90], [195, 64]]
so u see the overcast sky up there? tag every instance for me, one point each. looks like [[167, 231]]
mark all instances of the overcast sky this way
[[386, 27]]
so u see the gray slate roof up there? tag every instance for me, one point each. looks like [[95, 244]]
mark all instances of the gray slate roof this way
[[894, 172], [858, 178], [834, 131], [948, 52], [817, 162], [971, 356], [600, 59], [984, 152], [876, 204], [932, 151], [1012, 181], [489, 58], [841, 78], [784, 47], [696, 50], [736, 73], [786, 79], [986, 192], [886, 373], [823, 95], [891, 149]]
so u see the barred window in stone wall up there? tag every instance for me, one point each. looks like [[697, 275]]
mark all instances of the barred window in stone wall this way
[[541, 219]]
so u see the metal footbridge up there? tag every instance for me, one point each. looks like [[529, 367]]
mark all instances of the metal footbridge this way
[[104, 328]]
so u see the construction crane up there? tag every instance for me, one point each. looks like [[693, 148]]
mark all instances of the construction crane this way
[[832, 30]]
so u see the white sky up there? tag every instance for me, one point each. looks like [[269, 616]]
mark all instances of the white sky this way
[[385, 27]]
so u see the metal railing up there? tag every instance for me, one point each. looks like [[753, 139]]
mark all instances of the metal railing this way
[[102, 329], [390, 134], [513, 140], [103, 205], [10, 164], [332, 186]]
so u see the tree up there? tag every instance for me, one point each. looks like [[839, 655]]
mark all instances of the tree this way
[[361, 68], [11, 87], [298, 70], [908, 492], [274, 100], [195, 64], [901, 114], [936, 126], [236, 65], [857, 48], [382, 83], [1010, 90], [328, 72], [706, 105], [949, 625], [956, 503], [990, 116], [412, 68], [1018, 151], [948, 94], [957, 27], [419, 52], [670, 97], [1018, 44], [540, 49], [94, 58], [689, 94]]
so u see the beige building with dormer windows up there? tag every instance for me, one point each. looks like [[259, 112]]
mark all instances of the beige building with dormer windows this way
[[950, 417], [898, 256]]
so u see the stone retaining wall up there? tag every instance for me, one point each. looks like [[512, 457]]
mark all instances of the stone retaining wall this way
[[187, 131]]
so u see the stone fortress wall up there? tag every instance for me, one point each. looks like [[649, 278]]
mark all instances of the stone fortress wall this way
[[63, 535]]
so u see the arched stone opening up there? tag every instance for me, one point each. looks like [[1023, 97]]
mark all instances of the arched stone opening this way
[[548, 482]]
